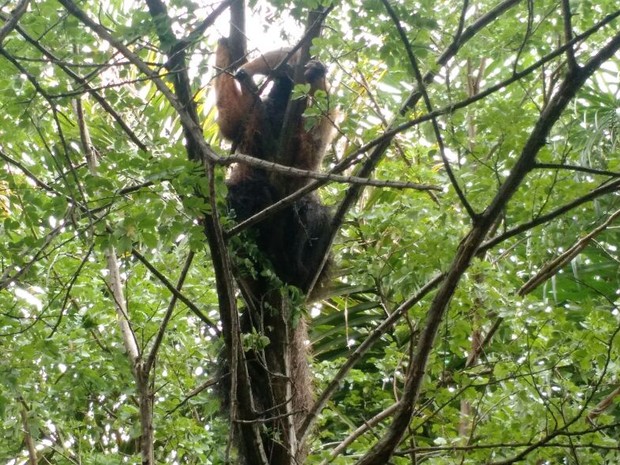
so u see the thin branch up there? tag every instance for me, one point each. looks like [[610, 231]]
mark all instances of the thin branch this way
[[197, 34], [477, 350], [72, 282], [536, 445], [427, 102], [193, 393], [459, 29], [508, 445], [379, 417], [324, 176], [526, 35], [515, 77], [7, 278], [84, 84], [582, 169], [175, 292], [192, 126], [116, 290], [603, 190], [168, 315], [31, 78], [29, 174], [368, 167], [553, 267]]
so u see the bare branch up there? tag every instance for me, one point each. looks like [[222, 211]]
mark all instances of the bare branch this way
[[582, 169]]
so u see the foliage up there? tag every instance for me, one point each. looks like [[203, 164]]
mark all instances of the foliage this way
[[530, 376]]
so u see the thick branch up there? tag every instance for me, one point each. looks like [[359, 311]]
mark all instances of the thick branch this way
[[11, 23], [296, 107], [116, 289], [197, 149], [383, 450], [236, 36], [568, 34], [389, 134]]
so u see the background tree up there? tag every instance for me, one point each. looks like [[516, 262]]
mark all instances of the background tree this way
[[474, 182]]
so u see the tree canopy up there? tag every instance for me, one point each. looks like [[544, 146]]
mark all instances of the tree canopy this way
[[474, 181]]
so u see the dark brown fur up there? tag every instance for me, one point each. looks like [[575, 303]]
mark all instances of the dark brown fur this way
[[294, 238], [293, 241]]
